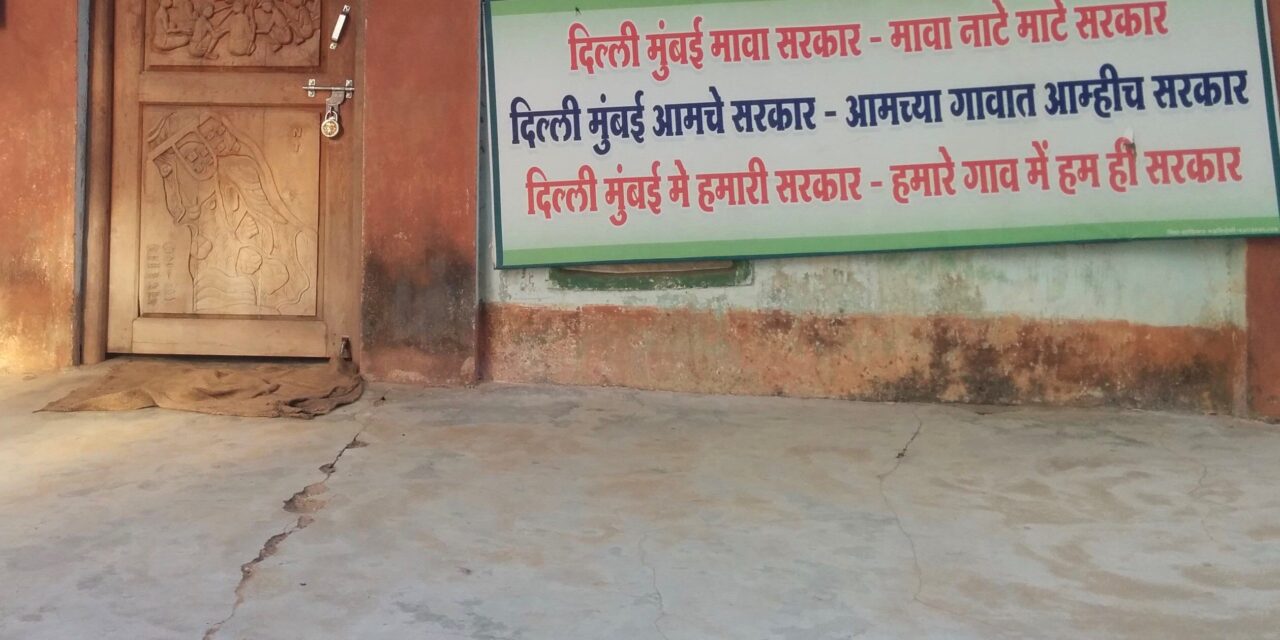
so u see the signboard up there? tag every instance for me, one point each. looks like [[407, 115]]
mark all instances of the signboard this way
[[637, 130]]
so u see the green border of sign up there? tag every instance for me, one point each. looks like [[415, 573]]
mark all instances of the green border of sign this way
[[778, 248]]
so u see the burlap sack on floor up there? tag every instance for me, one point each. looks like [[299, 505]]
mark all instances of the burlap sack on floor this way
[[255, 390]]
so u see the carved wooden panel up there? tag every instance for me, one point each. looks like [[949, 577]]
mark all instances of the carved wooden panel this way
[[230, 211], [233, 33]]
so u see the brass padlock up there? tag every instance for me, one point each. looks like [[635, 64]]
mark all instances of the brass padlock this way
[[331, 127]]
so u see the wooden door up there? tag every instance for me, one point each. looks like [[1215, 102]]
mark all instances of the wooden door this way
[[234, 222]]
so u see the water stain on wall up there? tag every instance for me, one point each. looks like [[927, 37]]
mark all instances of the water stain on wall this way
[[1005, 360]]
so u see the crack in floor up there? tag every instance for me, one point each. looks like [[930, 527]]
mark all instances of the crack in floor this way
[[653, 574], [911, 541], [901, 457], [1194, 492], [304, 502]]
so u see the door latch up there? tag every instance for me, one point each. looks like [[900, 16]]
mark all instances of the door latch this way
[[331, 125]]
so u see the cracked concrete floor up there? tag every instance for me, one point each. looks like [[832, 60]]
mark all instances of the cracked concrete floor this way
[[537, 513]]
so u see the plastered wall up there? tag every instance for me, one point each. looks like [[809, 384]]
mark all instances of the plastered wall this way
[[1197, 283], [37, 184]]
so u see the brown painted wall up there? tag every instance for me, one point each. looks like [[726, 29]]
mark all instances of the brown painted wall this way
[[37, 184], [420, 178], [876, 358], [1263, 301], [1262, 295]]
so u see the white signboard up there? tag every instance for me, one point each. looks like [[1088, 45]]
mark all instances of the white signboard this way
[[637, 130]]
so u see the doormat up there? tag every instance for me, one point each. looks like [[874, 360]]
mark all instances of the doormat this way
[[253, 390]]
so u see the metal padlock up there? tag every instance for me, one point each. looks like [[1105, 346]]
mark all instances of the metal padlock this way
[[331, 127]]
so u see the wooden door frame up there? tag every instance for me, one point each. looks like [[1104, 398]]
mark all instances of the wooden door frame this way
[[101, 123], [98, 181]]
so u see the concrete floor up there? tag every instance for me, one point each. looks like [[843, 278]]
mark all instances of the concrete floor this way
[[537, 513]]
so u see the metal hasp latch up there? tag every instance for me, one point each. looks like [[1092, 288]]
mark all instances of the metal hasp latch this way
[[342, 94], [331, 126]]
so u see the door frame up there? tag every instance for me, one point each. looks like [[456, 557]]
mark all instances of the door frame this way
[[100, 122]]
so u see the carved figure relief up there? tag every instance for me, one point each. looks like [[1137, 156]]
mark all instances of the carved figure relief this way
[[246, 251], [234, 32]]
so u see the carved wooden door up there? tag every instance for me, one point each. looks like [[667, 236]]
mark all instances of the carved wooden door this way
[[234, 228]]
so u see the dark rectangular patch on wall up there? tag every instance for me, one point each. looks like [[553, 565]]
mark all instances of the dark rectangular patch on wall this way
[[1, 14], [708, 274]]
